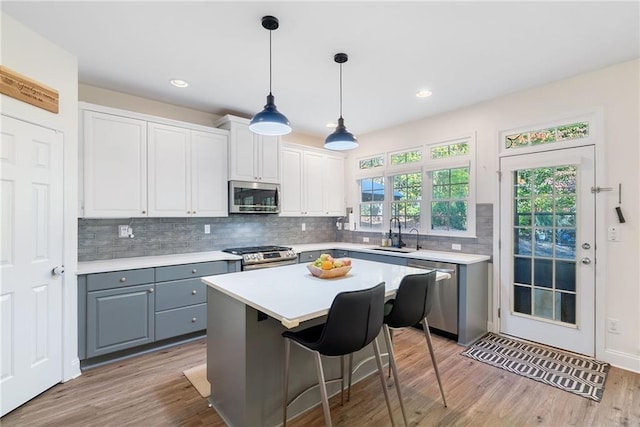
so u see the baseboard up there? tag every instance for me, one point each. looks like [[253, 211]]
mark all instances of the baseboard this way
[[626, 361]]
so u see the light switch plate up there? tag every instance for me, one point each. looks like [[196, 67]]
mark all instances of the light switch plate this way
[[123, 231], [613, 233], [207, 229]]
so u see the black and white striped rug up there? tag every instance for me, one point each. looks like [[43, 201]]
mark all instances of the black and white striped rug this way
[[579, 375]]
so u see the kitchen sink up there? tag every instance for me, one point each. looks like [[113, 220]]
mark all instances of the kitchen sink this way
[[392, 249]]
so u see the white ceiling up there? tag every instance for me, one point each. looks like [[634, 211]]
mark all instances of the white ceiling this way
[[465, 52]]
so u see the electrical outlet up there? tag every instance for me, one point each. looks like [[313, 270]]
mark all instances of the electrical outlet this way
[[613, 325], [365, 240], [123, 231], [207, 229], [304, 227], [613, 233], [456, 246]]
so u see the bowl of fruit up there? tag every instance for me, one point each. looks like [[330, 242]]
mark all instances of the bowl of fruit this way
[[327, 267]]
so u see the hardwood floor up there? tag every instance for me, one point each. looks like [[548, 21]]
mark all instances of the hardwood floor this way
[[150, 390]]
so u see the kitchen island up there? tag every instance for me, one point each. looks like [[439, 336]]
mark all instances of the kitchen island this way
[[246, 315]]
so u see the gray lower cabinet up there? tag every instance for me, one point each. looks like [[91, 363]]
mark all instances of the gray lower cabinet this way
[[119, 318], [121, 310], [309, 256]]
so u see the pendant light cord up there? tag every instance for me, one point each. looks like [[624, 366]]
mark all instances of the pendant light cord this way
[[270, 31], [341, 90]]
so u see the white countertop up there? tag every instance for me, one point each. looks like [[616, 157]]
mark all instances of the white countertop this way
[[292, 295], [441, 256], [133, 263]]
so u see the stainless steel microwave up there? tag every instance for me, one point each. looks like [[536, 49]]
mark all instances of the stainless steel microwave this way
[[253, 197]]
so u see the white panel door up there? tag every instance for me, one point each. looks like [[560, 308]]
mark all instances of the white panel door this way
[[291, 186], [547, 255], [169, 171], [115, 166], [209, 174], [32, 246], [313, 182]]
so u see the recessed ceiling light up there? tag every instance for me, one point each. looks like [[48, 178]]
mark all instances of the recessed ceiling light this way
[[331, 125], [179, 83], [424, 94]]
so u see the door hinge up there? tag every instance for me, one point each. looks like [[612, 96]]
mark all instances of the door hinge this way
[[498, 312], [499, 175]]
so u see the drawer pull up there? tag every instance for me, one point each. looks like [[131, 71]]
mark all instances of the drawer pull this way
[[144, 212], [151, 290], [194, 320], [123, 279], [194, 271], [193, 292]]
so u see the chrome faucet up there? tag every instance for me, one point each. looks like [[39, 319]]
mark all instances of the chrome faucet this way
[[400, 242], [418, 247]]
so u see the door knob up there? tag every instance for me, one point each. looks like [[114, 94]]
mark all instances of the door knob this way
[[586, 260], [586, 246], [58, 270]]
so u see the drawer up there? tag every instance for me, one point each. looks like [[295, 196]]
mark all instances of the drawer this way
[[339, 253], [308, 256], [180, 321], [118, 279], [185, 271], [180, 293]]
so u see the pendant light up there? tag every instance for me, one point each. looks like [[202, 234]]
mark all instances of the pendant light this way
[[270, 121], [341, 139]]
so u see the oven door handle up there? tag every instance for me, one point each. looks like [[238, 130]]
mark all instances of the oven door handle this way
[[269, 264]]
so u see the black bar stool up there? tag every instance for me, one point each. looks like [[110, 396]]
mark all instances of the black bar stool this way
[[354, 320], [410, 307]]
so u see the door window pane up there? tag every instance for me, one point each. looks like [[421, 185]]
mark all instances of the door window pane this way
[[566, 275], [566, 307], [522, 299], [543, 304], [543, 273], [522, 270], [522, 241]]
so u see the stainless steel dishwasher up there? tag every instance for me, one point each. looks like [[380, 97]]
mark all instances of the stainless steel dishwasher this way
[[443, 317]]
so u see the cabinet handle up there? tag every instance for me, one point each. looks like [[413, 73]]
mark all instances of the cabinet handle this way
[[194, 271], [188, 212], [123, 279], [193, 320], [151, 290], [193, 292], [144, 212], [194, 212]]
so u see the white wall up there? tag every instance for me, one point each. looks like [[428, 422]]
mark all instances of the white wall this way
[[616, 90], [29, 54]]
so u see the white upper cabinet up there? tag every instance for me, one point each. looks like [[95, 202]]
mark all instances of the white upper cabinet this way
[[333, 186], [115, 166], [312, 182], [253, 158], [209, 174], [137, 167]]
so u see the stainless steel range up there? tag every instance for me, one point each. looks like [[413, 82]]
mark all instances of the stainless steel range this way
[[257, 257]]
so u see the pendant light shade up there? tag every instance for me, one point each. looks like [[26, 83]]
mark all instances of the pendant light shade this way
[[341, 138], [270, 121]]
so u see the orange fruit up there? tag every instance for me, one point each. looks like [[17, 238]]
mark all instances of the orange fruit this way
[[327, 265]]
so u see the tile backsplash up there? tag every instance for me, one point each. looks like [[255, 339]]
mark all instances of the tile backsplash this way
[[98, 238]]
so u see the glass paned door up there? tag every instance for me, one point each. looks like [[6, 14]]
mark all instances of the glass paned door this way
[[547, 248]]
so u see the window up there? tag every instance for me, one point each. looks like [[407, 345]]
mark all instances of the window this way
[[407, 199], [546, 136], [406, 157], [429, 188], [372, 162], [449, 199], [371, 202]]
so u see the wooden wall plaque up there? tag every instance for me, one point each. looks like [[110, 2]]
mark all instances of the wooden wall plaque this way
[[23, 88]]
